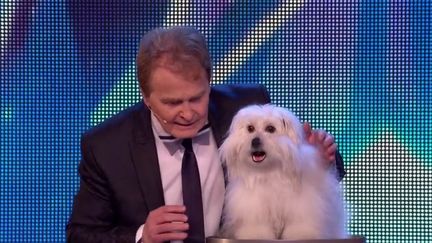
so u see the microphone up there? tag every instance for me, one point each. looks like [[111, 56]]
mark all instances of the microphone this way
[[156, 115]]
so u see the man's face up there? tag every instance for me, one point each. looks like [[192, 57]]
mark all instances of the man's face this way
[[179, 100]]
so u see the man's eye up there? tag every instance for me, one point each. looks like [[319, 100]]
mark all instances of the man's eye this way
[[270, 129], [195, 100], [251, 128], [173, 103]]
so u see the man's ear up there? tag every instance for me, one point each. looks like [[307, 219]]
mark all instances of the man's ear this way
[[147, 103], [144, 98], [141, 92]]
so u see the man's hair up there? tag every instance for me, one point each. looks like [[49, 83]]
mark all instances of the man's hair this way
[[178, 48]]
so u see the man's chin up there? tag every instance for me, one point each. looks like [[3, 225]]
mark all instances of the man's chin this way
[[182, 135], [185, 133]]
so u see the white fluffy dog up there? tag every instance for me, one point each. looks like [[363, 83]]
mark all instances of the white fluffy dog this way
[[277, 186]]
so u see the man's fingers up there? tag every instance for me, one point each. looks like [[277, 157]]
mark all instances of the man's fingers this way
[[328, 141], [171, 217], [168, 213], [168, 232], [307, 129], [165, 222], [172, 209], [170, 236], [320, 135], [172, 227], [331, 150], [308, 132], [323, 141]]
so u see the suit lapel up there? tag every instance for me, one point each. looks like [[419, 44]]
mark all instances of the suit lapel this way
[[144, 157], [219, 121], [219, 124], [215, 124]]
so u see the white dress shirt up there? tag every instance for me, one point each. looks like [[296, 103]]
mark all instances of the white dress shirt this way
[[170, 154]]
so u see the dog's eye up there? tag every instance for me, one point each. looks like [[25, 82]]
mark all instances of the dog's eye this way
[[251, 128], [270, 129]]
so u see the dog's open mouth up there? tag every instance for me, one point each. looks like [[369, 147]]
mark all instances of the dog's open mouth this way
[[258, 156]]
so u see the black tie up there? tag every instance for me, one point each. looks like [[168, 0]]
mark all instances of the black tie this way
[[192, 194]]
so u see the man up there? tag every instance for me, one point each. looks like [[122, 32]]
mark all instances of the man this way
[[131, 182]]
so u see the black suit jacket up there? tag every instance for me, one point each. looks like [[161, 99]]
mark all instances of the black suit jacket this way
[[120, 178]]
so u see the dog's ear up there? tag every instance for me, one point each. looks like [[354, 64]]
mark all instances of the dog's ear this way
[[228, 153], [293, 127]]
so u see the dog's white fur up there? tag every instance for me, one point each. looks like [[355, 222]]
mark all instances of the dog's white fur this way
[[289, 195]]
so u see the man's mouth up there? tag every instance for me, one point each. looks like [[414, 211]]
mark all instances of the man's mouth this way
[[258, 156], [185, 125]]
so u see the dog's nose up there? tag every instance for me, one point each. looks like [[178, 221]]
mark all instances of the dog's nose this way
[[256, 143]]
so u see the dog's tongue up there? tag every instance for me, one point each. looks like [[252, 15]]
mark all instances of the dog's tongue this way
[[258, 157]]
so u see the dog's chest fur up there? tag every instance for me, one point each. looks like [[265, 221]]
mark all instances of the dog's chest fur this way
[[272, 202]]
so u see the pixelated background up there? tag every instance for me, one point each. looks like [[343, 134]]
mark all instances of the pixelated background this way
[[360, 69]]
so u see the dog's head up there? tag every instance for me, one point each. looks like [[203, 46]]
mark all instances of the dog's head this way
[[262, 139]]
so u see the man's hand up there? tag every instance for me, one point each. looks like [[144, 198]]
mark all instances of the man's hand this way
[[165, 223], [323, 141]]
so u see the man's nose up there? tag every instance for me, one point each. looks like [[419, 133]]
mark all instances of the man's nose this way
[[186, 112]]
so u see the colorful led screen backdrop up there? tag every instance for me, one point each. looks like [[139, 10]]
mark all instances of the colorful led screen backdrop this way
[[359, 69]]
